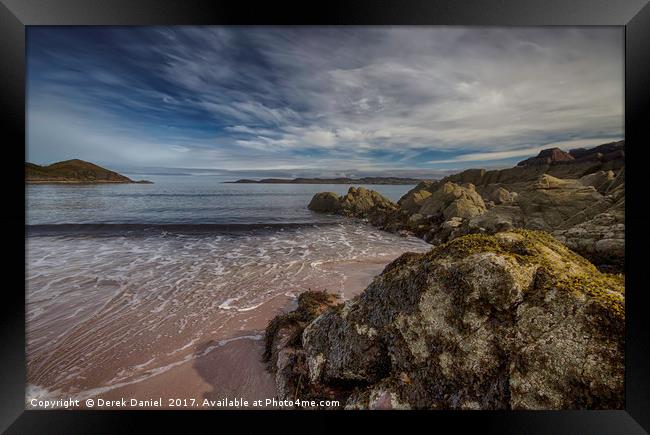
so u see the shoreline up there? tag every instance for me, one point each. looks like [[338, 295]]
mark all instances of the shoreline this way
[[86, 182], [227, 365]]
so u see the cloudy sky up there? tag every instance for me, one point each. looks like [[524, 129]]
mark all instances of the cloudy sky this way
[[319, 100]]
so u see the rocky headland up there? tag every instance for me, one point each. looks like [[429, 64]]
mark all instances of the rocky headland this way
[[577, 196], [73, 171], [518, 305]]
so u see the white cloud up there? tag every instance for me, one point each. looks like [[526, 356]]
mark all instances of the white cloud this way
[[273, 94], [319, 137]]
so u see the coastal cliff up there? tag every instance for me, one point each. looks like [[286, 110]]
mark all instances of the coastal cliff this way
[[73, 172]]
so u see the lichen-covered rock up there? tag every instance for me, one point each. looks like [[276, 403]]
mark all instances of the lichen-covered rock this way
[[453, 200], [412, 201], [507, 321], [360, 202]]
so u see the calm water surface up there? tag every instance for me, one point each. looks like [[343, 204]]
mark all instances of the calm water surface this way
[[182, 200]]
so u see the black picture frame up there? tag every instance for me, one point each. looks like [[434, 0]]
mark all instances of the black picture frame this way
[[634, 15]]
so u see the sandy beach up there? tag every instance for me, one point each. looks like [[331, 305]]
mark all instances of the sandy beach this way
[[230, 367], [224, 365], [146, 312]]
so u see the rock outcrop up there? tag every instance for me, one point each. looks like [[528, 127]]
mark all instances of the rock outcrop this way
[[607, 152], [547, 156], [598, 232], [609, 156], [358, 202], [600, 239], [361, 202], [601, 180], [583, 162], [452, 200], [548, 202], [513, 320], [325, 202], [283, 354], [413, 199], [500, 195], [558, 192]]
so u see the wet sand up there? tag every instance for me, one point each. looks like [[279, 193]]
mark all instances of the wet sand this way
[[229, 367], [180, 315]]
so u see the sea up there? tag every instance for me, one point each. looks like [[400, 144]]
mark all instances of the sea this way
[[127, 281]]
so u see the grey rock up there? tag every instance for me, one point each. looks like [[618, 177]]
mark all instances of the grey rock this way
[[325, 202], [507, 321]]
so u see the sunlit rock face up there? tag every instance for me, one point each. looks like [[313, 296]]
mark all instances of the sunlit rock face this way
[[577, 196], [507, 321]]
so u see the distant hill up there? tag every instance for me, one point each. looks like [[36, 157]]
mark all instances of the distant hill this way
[[73, 171], [340, 180], [613, 151]]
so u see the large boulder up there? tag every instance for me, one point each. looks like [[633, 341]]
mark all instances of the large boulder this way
[[453, 200], [428, 185], [359, 202], [510, 321], [325, 202], [412, 201], [503, 217]]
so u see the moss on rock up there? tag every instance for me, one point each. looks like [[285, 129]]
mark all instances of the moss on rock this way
[[507, 321]]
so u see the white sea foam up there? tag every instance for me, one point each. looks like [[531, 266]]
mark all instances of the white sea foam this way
[[227, 304], [115, 309], [39, 393]]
